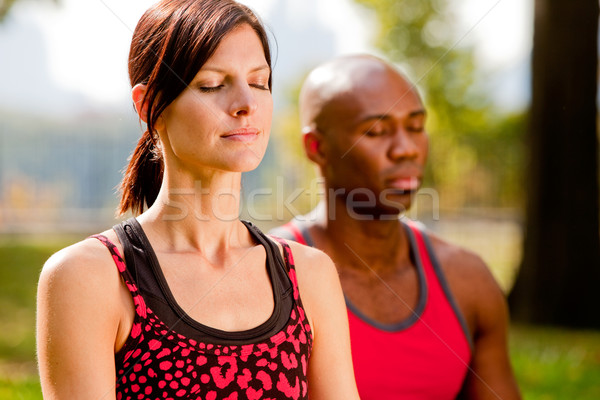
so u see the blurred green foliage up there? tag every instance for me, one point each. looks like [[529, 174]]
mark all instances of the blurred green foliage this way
[[6, 5], [476, 150], [294, 178], [476, 155], [21, 260], [20, 266], [552, 363], [23, 388]]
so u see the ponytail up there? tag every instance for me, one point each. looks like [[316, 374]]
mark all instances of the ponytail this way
[[143, 177]]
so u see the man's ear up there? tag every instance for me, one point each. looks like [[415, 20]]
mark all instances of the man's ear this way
[[314, 146], [137, 95]]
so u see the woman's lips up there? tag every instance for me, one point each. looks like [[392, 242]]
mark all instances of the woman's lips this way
[[242, 135]]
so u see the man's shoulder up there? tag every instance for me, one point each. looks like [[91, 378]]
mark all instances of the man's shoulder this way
[[285, 231], [296, 230], [455, 259], [471, 281]]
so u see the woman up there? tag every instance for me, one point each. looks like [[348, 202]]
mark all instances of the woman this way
[[201, 305]]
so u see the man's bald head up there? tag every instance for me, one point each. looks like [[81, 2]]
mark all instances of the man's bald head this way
[[335, 87], [364, 126]]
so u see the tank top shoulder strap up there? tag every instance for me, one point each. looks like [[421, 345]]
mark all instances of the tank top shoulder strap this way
[[125, 273], [287, 253], [116, 256], [426, 250], [274, 260], [290, 265]]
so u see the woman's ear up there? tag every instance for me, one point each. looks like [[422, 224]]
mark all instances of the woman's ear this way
[[137, 95], [314, 146]]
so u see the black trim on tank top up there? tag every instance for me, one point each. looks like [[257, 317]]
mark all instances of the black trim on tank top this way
[[423, 293], [446, 289], [143, 264]]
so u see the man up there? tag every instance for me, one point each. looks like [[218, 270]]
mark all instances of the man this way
[[427, 319]]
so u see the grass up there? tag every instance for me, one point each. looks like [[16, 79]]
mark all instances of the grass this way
[[24, 388], [20, 264], [21, 260], [549, 363], [552, 363]]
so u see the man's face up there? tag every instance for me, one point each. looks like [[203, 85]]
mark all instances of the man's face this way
[[375, 142]]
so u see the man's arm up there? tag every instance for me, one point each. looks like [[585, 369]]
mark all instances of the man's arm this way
[[490, 373]]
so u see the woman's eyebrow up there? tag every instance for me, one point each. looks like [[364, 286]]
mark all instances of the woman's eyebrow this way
[[223, 71]]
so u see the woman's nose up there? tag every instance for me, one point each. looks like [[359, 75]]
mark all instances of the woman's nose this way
[[244, 101]]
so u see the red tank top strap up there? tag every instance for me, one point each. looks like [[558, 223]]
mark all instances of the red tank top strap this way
[[114, 252], [291, 267], [430, 261], [125, 273], [293, 229]]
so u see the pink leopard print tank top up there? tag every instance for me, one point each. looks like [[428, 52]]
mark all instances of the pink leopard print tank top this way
[[170, 356]]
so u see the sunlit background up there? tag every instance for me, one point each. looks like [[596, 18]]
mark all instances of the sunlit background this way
[[67, 124], [67, 59]]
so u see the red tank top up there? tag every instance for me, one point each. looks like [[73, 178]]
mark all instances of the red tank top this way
[[167, 360], [423, 357]]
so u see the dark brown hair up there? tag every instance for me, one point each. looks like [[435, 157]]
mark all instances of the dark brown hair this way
[[171, 42]]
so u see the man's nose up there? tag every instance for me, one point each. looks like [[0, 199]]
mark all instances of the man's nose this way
[[403, 145]]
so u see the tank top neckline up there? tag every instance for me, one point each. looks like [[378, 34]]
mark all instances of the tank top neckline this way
[[244, 335], [416, 313]]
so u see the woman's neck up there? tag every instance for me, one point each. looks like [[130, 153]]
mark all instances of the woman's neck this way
[[198, 212]]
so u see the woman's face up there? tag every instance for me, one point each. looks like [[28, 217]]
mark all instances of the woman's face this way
[[222, 120]]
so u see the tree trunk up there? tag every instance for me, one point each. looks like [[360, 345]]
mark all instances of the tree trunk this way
[[559, 282]]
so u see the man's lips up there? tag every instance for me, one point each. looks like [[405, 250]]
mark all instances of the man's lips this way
[[242, 134], [405, 184]]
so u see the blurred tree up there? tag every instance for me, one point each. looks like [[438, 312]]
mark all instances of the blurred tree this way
[[6, 5], [298, 170], [476, 153], [559, 279]]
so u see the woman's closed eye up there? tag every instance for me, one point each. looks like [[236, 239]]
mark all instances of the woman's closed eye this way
[[210, 89], [260, 86]]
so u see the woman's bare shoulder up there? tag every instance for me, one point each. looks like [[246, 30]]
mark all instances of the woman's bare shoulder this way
[[86, 263], [316, 272], [318, 283], [309, 259]]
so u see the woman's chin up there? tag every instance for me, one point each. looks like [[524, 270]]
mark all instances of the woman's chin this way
[[244, 164], [247, 161]]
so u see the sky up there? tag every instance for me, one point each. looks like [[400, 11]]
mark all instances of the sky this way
[[57, 59]]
